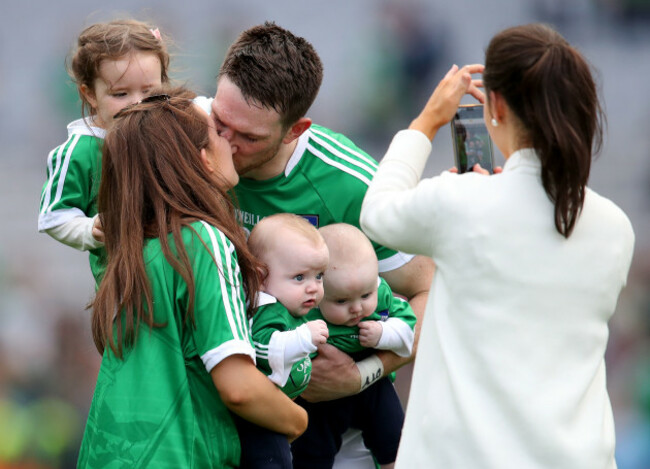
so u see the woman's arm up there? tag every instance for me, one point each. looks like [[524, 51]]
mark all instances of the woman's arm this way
[[251, 395], [395, 199]]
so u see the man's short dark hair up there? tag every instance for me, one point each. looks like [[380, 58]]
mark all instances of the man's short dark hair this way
[[276, 69]]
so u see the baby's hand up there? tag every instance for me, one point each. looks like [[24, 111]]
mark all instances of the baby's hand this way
[[319, 331], [370, 333]]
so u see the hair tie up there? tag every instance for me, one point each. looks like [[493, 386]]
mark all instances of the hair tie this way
[[156, 33]]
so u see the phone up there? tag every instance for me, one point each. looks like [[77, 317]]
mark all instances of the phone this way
[[472, 143]]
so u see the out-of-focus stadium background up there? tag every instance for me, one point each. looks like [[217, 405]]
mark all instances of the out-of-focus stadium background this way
[[381, 58]]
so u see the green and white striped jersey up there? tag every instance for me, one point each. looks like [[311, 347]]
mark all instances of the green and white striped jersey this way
[[158, 407], [290, 373], [73, 174], [325, 181]]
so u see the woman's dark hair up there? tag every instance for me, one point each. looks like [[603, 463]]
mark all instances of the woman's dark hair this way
[[549, 86], [154, 183]]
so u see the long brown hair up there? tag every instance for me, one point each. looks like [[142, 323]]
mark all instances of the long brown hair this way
[[549, 86], [154, 183]]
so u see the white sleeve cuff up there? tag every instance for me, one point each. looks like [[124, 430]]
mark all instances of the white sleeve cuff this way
[[287, 348], [410, 146], [396, 336], [77, 233]]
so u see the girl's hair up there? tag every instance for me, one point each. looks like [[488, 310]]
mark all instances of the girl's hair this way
[[111, 41], [550, 88], [154, 183]]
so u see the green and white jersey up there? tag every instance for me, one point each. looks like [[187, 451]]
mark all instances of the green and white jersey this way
[[325, 181], [73, 174], [390, 310], [282, 346], [158, 407]]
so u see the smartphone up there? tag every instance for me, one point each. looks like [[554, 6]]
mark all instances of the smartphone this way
[[472, 143]]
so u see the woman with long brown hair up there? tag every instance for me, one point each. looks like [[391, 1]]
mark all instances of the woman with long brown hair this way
[[170, 313], [510, 369]]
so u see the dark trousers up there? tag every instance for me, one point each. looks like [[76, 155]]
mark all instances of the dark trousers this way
[[262, 448], [377, 412]]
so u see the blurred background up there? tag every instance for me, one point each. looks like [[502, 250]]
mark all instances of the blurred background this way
[[382, 59]]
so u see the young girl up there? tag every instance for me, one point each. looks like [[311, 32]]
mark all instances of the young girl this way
[[115, 64]]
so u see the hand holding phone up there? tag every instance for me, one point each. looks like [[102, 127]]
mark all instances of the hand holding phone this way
[[472, 143]]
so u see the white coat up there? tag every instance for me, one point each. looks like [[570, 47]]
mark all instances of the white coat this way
[[510, 369]]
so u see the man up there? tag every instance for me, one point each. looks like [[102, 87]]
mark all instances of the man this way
[[266, 84]]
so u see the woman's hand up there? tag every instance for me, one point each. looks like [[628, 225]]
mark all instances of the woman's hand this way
[[444, 101], [477, 168]]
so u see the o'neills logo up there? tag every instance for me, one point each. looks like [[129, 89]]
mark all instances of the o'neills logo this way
[[247, 218]]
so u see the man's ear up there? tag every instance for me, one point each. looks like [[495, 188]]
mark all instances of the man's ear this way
[[207, 162], [297, 129], [88, 95]]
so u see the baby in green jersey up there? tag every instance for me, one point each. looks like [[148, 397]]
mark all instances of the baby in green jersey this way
[[351, 305], [296, 257], [362, 315]]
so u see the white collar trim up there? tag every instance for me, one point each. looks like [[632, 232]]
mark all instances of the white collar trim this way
[[85, 126], [303, 140]]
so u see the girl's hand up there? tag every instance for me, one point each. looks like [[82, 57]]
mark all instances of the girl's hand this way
[[98, 231]]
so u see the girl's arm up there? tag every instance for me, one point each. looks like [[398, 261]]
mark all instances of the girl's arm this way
[[77, 233], [247, 392]]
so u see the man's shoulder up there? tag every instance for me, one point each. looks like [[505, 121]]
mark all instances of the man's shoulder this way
[[328, 153]]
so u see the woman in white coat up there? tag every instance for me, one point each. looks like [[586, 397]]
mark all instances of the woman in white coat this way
[[510, 367]]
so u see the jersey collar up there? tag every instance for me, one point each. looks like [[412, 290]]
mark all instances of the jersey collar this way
[[85, 126], [303, 140]]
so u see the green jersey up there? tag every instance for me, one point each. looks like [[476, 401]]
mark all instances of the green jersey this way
[[283, 357], [325, 181], [158, 407], [73, 173], [389, 307]]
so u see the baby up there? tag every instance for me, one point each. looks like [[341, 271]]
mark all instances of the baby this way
[[296, 257]]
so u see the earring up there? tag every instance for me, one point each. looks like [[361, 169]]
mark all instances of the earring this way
[[494, 122]]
